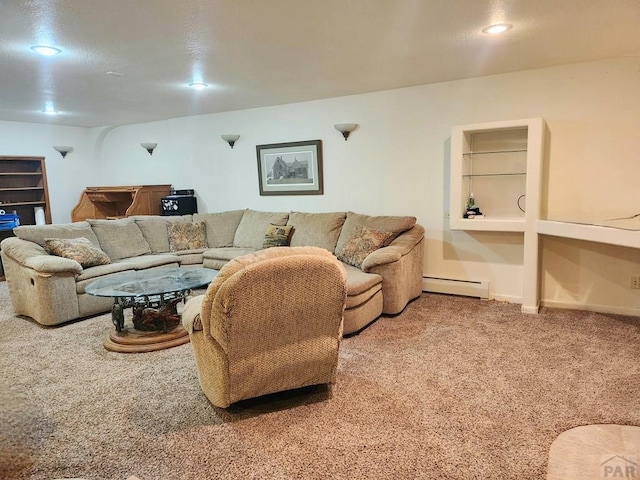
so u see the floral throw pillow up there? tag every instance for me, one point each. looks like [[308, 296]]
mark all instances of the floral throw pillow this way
[[360, 244], [277, 236], [79, 249], [186, 236]]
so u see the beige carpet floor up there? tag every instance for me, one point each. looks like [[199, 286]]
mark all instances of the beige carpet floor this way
[[452, 388]]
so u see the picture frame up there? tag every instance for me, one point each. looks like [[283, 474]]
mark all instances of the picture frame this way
[[293, 168]]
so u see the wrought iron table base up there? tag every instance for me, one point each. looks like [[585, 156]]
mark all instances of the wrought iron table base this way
[[155, 305]]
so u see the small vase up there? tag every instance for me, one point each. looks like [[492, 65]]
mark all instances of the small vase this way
[[39, 214]]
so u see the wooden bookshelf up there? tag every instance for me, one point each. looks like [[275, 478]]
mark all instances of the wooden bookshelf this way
[[23, 187]]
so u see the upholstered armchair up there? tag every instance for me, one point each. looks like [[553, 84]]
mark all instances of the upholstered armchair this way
[[270, 321]]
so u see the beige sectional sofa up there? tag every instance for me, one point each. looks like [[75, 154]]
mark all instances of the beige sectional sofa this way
[[51, 288]]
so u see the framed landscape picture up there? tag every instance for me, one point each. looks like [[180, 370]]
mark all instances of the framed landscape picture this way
[[293, 168]]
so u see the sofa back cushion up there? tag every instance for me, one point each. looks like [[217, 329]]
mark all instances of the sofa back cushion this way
[[154, 229], [120, 238], [316, 229], [38, 233], [394, 224], [253, 227], [221, 227]]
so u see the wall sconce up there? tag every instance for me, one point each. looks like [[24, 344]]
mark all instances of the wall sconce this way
[[63, 149], [230, 139], [345, 129], [149, 147]]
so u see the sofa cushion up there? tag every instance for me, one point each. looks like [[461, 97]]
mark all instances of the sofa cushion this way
[[191, 251], [154, 229], [216, 258], [277, 236], [186, 236], [221, 227], [394, 224], [189, 257], [316, 229], [143, 262], [38, 233], [360, 244], [361, 286], [120, 238], [92, 273], [227, 253], [79, 249], [252, 227]]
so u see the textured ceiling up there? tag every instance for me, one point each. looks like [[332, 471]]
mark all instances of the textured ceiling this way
[[256, 53]]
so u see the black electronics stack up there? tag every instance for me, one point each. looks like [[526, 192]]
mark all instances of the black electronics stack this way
[[179, 202]]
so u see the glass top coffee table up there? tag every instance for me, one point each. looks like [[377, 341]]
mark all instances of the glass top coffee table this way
[[153, 296]]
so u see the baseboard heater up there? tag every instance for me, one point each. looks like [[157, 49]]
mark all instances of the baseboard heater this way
[[450, 286]]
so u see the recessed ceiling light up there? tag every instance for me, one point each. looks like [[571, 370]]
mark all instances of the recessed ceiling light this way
[[497, 28], [49, 109], [198, 85], [46, 50]]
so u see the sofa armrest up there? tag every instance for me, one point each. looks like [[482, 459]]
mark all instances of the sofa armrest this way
[[400, 246], [401, 266], [31, 255]]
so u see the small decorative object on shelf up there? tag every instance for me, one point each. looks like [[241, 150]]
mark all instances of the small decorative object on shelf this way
[[472, 202], [8, 221], [38, 213], [472, 211]]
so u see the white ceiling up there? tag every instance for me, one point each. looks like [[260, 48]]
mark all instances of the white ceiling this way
[[256, 53]]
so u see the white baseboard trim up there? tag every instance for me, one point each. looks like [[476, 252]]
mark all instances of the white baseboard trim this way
[[614, 310], [451, 286], [530, 310], [507, 298]]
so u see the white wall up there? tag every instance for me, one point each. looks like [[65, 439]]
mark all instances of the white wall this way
[[65, 177], [397, 162]]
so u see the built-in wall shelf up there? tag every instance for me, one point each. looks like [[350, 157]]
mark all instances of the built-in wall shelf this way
[[490, 223], [499, 165]]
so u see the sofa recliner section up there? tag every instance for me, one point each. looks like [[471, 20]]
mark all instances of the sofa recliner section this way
[[50, 289]]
